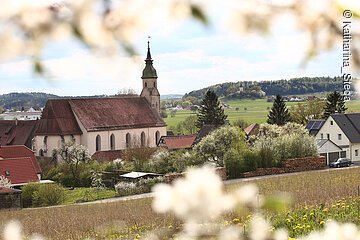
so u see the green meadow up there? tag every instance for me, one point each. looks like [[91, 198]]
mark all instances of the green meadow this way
[[252, 111]]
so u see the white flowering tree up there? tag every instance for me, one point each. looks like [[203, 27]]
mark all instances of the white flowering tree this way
[[5, 182], [73, 155], [202, 204], [214, 146], [277, 143], [26, 26]]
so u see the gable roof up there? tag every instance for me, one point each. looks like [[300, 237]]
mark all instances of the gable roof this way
[[349, 123], [321, 142], [57, 119], [97, 114], [177, 142], [11, 152], [17, 132], [251, 129], [204, 131], [20, 170]]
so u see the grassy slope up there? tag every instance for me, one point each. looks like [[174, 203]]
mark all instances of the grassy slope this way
[[256, 111], [98, 220]]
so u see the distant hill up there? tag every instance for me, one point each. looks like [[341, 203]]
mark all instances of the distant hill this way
[[252, 89], [24, 100], [36, 100]]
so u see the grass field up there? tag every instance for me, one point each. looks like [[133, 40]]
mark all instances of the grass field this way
[[256, 111], [127, 219]]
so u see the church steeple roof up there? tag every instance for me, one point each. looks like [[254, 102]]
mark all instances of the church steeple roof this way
[[149, 70]]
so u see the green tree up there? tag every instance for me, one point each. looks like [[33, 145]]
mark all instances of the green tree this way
[[210, 111], [279, 113], [334, 104], [303, 112]]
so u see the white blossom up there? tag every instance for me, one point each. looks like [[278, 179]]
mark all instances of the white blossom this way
[[12, 231], [260, 229]]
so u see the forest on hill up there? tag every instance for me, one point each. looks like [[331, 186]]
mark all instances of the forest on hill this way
[[255, 89], [17, 101]]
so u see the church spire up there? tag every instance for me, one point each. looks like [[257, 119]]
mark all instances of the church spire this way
[[149, 70]]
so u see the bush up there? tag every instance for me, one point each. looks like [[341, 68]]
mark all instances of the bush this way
[[141, 186], [27, 192], [48, 195], [39, 195]]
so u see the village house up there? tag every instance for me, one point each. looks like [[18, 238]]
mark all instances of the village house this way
[[104, 124], [344, 131], [17, 132], [19, 165]]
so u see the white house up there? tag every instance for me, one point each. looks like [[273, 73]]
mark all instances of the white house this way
[[344, 131], [103, 124]]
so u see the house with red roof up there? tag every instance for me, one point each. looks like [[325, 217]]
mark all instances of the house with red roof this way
[[103, 124], [15, 152], [17, 132], [177, 141], [19, 171]]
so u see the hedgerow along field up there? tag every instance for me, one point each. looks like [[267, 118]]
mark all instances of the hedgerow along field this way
[[318, 195], [256, 111]]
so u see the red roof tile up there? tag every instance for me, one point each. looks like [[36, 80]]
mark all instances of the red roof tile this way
[[96, 114], [102, 156], [177, 142], [17, 132], [11, 152], [5, 190], [18, 170], [252, 129], [57, 119], [115, 113]]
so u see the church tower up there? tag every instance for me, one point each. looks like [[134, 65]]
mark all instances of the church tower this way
[[149, 79]]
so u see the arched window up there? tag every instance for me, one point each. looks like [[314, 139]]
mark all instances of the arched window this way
[[112, 142], [154, 84], [146, 84], [157, 137], [128, 140], [41, 153], [98, 143], [62, 140], [142, 139]]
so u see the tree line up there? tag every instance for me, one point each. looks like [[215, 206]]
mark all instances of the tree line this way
[[294, 86]]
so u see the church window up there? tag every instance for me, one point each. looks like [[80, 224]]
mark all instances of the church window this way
[[150, 92], [112, 142], [142, 139], [157, 137], [98, 143], [128, 140], [154, 84], [145, 84], [62, 140]]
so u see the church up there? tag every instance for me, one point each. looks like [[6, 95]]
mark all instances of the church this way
[[103, 124]]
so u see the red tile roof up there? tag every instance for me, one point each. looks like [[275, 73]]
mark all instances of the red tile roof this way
[[177, 142], [17, 132], [18, 170], [5, 190], [103, 156], [252, 129], [10, 152], [97, 114], [57, 119]]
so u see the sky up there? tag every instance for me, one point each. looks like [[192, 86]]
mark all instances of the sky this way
[[187, 56]]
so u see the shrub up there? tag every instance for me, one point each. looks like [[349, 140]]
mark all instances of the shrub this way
[[39, 195], [48, 195], [27, 192], [141, 186]]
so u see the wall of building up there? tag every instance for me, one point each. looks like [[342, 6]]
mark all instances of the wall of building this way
[[120, 138], [52, 142], [334, 130]]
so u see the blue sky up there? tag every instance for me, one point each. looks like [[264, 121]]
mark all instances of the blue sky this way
[[187, 56]]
